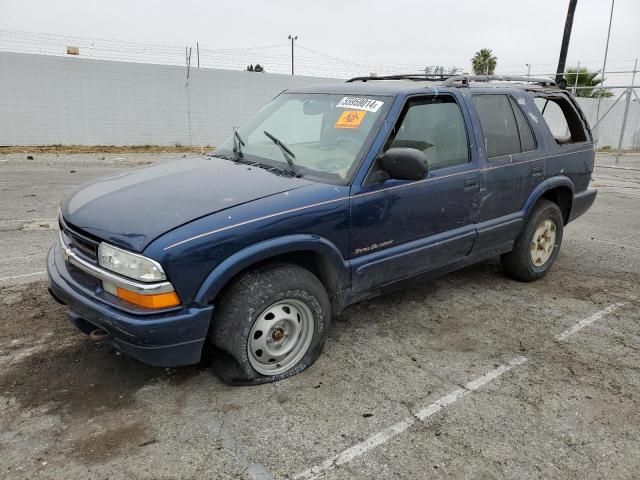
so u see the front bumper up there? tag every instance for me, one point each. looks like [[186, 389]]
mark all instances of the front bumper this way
[[166, 339]]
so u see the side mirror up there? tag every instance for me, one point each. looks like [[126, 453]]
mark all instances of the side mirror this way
[[405, 163]]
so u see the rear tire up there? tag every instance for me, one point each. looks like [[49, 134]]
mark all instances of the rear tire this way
[[537, 246], [270, 324]]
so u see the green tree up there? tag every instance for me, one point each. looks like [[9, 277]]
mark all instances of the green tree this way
[[483, 62], [586, 79]]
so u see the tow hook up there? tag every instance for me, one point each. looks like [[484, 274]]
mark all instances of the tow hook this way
[[99, 335]]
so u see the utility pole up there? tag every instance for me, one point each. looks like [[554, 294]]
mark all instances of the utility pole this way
[[604, 63], [568, 24], [626, 111], [293, 38], [528, 69]]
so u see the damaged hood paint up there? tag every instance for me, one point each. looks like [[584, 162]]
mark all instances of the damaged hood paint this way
[[132, 208]]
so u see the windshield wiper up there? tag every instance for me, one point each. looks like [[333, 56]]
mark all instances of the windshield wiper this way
[[286, 153], [238, 143]]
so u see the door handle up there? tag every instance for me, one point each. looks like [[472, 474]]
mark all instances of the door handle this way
[[537, 171], [471, 183]]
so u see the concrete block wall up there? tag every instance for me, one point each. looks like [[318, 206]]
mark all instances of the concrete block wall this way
[[47, 100]]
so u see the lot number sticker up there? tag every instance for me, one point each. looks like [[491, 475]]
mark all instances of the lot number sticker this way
[[360, 103], [350, 119]]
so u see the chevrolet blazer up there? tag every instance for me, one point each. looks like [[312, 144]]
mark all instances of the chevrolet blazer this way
[[328, 196]]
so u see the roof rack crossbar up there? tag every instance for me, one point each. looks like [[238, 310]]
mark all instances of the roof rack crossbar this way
[[465, 79], [402, 76]]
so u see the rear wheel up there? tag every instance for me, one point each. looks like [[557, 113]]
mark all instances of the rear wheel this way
[[537, 247], [270, 324]]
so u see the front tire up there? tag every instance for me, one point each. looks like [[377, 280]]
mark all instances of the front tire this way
[[537, 247], [270, 324]]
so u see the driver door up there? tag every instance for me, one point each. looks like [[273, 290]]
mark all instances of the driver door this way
[[402, 228]]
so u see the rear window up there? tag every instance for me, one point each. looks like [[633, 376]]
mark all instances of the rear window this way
[[505, 128]]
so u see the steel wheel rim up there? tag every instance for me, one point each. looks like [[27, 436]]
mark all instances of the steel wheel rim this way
[[280, 336], [543, 243]]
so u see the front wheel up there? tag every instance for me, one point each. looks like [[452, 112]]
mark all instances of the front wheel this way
[[270, 324], [537, 247]]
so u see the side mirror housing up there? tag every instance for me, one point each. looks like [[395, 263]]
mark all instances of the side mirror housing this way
[[405, 163]]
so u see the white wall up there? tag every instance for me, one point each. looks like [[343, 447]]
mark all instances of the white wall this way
[[47, 100]]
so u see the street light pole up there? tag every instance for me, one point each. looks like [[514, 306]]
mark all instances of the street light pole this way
[[293, 38]]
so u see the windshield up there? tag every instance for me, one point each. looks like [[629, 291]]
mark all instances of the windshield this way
[[322, 135]]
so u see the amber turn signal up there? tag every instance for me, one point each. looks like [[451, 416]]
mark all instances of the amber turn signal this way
[[159, 300]]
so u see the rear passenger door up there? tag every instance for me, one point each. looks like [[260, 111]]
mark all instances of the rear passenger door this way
[[512, 166]]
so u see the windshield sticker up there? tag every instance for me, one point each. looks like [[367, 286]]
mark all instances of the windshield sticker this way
[[360, 103], [350, 119]]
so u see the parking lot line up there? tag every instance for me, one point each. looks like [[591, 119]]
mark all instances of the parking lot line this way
[[388, 433], [616, 244], [585, 322], [22, 275]]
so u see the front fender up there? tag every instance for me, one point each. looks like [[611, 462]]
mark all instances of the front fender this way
[[545, 186], [264, 250]]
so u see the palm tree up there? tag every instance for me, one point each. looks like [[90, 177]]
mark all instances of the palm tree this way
[[586, 79], [483, 62]]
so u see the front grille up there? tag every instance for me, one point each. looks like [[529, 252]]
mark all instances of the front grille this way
[[84, 245]]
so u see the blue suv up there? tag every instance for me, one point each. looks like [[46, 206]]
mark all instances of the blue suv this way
[[328, 196]]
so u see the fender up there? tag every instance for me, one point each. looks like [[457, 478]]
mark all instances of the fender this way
[[545, 186], [264, 250]]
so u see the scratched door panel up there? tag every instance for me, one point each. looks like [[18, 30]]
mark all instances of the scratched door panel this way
[[411, 228]]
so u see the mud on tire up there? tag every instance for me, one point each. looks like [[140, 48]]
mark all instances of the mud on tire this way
[[286, 290]]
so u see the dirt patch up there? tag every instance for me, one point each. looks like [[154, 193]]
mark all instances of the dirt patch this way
[[102, 446], [68, 375], [66, 149], [29, 312]]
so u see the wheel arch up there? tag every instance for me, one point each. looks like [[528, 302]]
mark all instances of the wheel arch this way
[[559, 190], [312, 252]]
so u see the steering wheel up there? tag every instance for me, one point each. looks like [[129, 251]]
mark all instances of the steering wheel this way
[[348, 144], [334, 165]]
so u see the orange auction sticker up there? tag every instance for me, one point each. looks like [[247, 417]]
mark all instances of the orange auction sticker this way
[[350, 119]]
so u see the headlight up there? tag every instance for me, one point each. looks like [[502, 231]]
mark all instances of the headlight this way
[[129, 264]]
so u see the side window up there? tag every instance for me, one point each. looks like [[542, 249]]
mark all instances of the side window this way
[[562, 119], [527, 142], [436, 127], [499, 125]]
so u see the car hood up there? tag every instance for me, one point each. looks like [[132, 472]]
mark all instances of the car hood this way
[[132, 208]]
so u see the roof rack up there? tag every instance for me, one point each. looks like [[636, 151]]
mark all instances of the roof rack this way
[[465, 79], [403, 76]]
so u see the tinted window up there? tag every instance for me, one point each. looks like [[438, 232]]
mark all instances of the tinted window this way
[[436, 127], [498, 125], [527, 142], [562, 120]]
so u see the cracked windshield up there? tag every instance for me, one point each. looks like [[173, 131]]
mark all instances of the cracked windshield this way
[[316, 135]]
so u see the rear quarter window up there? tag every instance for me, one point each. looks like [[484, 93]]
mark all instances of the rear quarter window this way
[[562, 119]]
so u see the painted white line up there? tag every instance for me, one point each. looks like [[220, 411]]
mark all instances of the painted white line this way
[[388, 433], [616, 244], [585, 322], [24, 275]]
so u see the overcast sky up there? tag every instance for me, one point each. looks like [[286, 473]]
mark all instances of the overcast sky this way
[[399, 31]]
